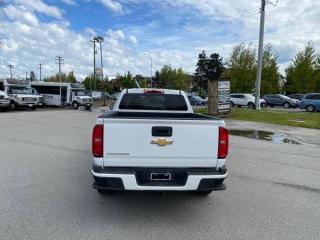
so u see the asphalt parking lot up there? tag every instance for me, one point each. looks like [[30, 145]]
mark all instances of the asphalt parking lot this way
[[273, 189]]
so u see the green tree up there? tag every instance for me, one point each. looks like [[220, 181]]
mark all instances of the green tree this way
[[71, 78], [172, 78], [210, 70], [242, 68], [89, 83], [127, 81], [32, 76], [157, 80], [316, 82], [201, 80], [303, 72], [144, 83], [56, 78], [86, 82], [270, 72]]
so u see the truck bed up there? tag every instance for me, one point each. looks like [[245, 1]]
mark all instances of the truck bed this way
[[157, 115]]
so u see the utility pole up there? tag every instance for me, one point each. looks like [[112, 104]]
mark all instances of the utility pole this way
[[59, 61], [40, 68], [260, 55], [10, 66]]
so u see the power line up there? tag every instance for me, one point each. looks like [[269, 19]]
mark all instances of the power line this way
[[272, 3], [250, 13]]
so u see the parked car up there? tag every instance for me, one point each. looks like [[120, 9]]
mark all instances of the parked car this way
[[296, 96], [197, 100], [4, 101], [161, 130], [205, 98], [243, 99], [280, 100], [311, 102]]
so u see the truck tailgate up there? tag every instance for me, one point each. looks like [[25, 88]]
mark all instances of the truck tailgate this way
[[132, 143]]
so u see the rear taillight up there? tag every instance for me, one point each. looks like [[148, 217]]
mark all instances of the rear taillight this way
[[153, 91], [223, 146], [97, 141]]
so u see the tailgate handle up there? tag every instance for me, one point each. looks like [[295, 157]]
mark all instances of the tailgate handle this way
[[161, 131]]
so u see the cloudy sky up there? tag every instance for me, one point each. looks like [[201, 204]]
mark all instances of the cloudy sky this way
[[172, 32]]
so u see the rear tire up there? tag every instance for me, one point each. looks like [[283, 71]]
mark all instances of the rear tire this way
[[231, 104], [310, 108]]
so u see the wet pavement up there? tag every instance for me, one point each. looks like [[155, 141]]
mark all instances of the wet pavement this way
[[264, 135], [274, 133]]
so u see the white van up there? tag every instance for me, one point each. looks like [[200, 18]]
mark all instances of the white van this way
[[63, 94], [4, 101], [19, 92]]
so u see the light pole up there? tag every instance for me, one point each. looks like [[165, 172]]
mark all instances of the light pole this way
[[94, 63], [151, 62], [100, 39]]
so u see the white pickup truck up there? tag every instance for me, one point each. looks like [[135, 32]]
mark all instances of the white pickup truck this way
[[152, 140]]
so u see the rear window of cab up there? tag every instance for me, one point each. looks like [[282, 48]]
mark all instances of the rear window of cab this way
[[143, 101]]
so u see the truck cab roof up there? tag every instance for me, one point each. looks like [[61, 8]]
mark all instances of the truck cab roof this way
[[152, 90]]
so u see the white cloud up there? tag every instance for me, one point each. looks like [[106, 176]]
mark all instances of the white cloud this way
[[69, 2], [28, 42], [41, 7], [113, 6], [21, 15], [133, 39], [118, 34]]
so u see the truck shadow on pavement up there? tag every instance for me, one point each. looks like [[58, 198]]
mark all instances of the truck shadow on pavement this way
[[150, 207]]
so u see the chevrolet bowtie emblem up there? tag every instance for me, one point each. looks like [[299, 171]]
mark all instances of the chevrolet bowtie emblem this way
[[162, 142]]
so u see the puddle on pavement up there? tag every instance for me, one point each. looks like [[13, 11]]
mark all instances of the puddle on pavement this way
[[264, 135]]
